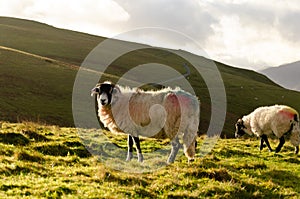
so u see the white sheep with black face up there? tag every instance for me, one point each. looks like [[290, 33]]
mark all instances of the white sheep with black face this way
[[277, 119], [163, 113]]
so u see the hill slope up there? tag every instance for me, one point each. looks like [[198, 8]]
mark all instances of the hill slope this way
[[286, 75], [40, 88], [34, 89]]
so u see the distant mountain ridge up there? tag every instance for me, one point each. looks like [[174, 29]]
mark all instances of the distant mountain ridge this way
[[286, 75]]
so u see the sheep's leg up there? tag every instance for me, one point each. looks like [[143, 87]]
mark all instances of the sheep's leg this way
[[175, 147], [190, 151], [281, 143], [264, 138], [130, 148], [138, 148], [296, 149], [261, 146]]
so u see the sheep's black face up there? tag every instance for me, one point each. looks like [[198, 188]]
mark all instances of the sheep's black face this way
[[104, 93], [239, 128]]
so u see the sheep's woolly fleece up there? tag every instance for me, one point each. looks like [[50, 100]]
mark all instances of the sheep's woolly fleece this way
[[166, 113], [277, 119], [134, 110]]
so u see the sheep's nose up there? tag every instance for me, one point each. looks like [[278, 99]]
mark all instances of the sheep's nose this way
[[103, 101]]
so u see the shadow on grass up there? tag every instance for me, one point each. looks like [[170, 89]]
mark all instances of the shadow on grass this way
[[18, 170], [37, 137], [173, 196], [225, 152], [128, 181], [292, 160], [59, 192], [280, 177], [220, 175], [8, 187], [63, 150], [246, 190], [24, 156], [14, 138]]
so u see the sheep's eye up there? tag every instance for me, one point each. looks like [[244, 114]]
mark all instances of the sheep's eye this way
[[242, 126]]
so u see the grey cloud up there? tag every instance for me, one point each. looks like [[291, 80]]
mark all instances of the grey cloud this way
[[252, 15], [199, 20], [264, 17], [181, 15], [289, 26]]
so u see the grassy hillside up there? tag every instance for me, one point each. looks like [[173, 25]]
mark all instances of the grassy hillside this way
[[45, 40], [51, 162], [40, 88], [33, 89]]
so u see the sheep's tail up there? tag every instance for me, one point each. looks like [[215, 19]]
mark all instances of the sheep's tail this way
[[296, 118], [295, 123], [295, 131]]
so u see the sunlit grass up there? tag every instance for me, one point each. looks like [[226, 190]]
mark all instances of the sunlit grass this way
[[53, 163]]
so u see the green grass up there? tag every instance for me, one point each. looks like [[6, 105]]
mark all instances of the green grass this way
[[35, 90], [45, 40], [40, 161]]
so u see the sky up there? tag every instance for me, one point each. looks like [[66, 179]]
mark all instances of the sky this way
[[251, 34]]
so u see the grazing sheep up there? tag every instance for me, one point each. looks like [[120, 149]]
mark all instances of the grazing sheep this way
[[279, 119], [163, 113]]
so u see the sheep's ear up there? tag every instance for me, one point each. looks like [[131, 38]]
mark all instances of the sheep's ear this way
[[115, 90], [240, 121], [95, 91]]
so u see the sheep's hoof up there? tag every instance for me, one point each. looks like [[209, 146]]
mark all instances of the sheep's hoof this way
[[140, 157], [277, 150], [262, 146], [270, 150], [171, 159], [191, 160], [129, 156]]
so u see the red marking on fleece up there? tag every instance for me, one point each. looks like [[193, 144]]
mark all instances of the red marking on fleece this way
[[172, 98], [287, 113], [184, 100], [178, 100]]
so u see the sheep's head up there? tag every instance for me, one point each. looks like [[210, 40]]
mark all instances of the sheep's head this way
[[104, 93], [239, 128]]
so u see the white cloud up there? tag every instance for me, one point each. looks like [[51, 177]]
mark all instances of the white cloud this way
[[93, 16], [255, 34]]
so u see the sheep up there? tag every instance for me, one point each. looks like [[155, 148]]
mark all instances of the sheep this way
[[133, 111], [279, 119]]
